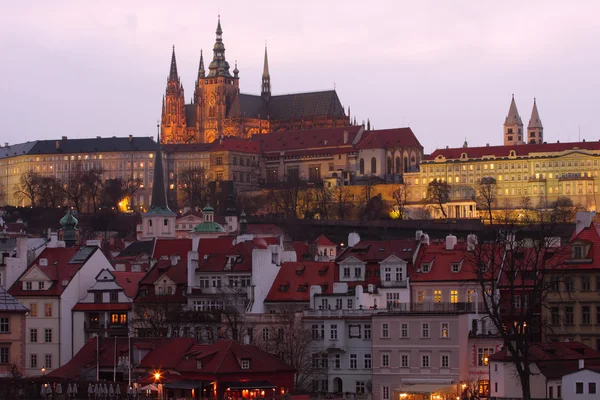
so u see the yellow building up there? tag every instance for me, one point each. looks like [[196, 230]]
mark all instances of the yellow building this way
[[123, 157]]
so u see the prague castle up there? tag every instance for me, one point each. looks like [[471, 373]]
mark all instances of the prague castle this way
[[219, 109]]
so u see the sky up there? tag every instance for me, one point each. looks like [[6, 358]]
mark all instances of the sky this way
[[445, 68]]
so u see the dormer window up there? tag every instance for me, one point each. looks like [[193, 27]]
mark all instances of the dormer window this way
[[284, 288], [425, 267], [455, 267], [41, 285], [198, 364], [577, 251], [245, 363], [302, 288], [28, 286]]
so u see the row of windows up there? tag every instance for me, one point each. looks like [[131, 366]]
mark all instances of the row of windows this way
[[566, 316], [425, 330], [33, 361], [511, 165], [354, 331], [33, 309], [33, 335], [585, 281]]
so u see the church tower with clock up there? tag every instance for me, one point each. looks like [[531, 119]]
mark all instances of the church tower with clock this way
[[219, 109]]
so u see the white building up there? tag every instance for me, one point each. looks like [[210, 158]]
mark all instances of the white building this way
[[582, 384], [16, 254], [50, 288]]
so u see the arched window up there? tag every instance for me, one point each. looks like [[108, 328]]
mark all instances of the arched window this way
[[390, 166], [405, 164], [398, 165], [149, 222], [362, 166], [165, 222], [373, 166]]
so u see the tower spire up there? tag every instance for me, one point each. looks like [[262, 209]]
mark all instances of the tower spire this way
[[173, 76], [266, 78], [535, 128], [513, 126], [159, 193], [201, 72], [219, 66]]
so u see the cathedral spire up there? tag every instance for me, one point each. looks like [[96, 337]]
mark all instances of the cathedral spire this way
[[201, 72], [513, 126], [266, 79], [535, 128], [513, 114], [219, 66], [159, 193], [173, 76]]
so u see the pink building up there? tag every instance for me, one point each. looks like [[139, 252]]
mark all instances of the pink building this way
[[12, 333]]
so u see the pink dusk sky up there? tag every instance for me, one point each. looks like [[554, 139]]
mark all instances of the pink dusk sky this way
[[445, 68]]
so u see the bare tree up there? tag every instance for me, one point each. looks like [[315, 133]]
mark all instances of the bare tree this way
[[93, 188], [322, 200], [159, 318], [286, 199], [193, 186], [511, 269], [485, 196], [342, 201], [74, 187], [28, 188], [564, 209], [438, 194], [400, 197], [292, 342]]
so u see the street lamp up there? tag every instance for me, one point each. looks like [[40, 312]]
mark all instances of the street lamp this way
[[43, 370]]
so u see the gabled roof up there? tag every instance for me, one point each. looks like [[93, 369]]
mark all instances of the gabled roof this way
[[440, 263], [591, 236], [129, 281], [305, 105], [62, 265], [228, 143], [137, 248], [387, 138], [264, 229], [379, 250], [294, 279], [323, 241], [169, 247], [240, 252]]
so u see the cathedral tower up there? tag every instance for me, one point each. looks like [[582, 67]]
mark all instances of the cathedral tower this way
[[215, 94], [513, 126], [266, 79], [535, 129], [173, 124]]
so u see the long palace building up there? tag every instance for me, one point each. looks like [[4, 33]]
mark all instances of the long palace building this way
[[218, 108]]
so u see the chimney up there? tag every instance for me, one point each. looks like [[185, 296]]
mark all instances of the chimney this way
[[471, 242], [353, 239], [64, 138], [345, 137], [130, 138], [58, 145], [581, 363], [450, 242], [174, 259]]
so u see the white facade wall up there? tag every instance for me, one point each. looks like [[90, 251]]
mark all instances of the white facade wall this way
[[73, 293], [585, 377], [509, 384], [264, 271], [41, 323]]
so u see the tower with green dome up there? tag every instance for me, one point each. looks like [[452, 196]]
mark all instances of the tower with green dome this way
[[208, 227], [68, 224]]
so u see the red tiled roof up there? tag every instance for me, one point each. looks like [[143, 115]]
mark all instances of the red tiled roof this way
[[440, 263], [294, 279], [312, 139], [520, 150], [102, 307], [227, 144], [323, 241], [385, 138], [301, 249], [555, 359], [591, 235], [192, 213], [59, 269], [169, 247], [129, 281]]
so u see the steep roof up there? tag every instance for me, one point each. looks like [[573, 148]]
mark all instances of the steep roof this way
[[62, 265], [228, 143], [137, 248], [294, 279], [513, 117], [520, 150], [327, 140], [591, 261], [129, 281], [440, 263], [386, 138], [534, 120], [240, 255], [323, 241], [8, 304]]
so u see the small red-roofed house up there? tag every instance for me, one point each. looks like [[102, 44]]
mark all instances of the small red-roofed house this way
[[107, 309], [224, 369], [50, 287], [551, 363]]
